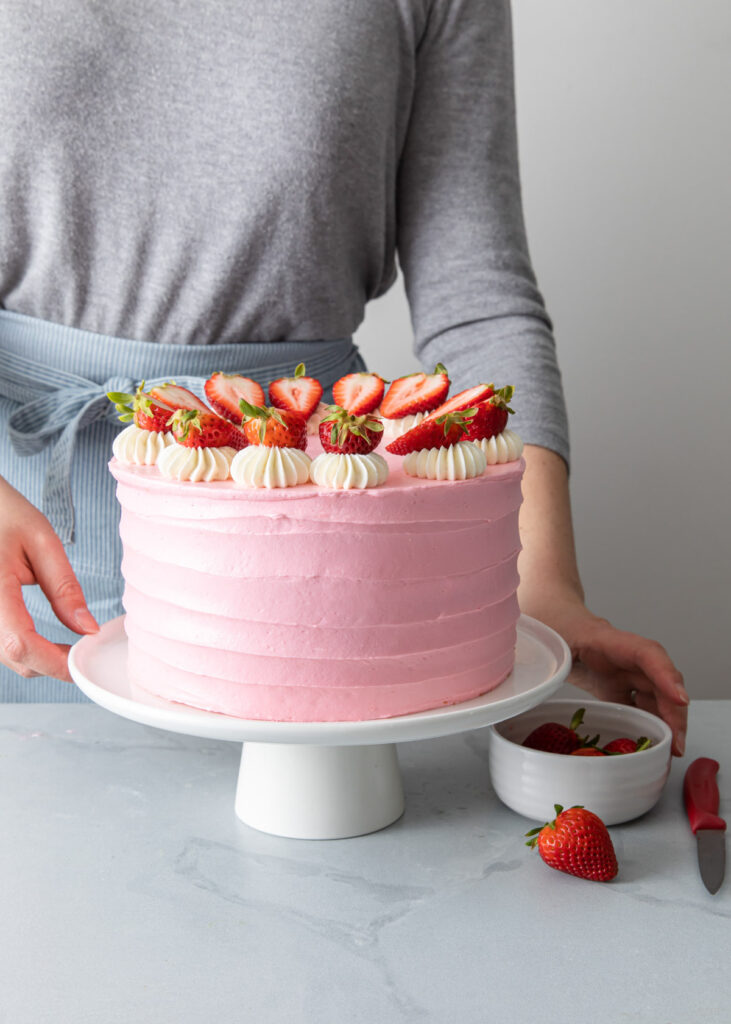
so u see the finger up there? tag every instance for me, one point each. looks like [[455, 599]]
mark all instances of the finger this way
[[674, 715], [631, 653], [22, 649], [56, 578]]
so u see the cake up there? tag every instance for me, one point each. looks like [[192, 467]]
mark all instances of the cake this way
[[317, 603]]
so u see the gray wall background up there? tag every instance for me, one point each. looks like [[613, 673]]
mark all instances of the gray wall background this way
[[625, 135]]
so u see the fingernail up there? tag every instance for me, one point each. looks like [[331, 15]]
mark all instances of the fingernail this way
[[681, 743], [85, 621]]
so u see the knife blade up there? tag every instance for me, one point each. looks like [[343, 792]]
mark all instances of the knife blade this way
[[701, 798]]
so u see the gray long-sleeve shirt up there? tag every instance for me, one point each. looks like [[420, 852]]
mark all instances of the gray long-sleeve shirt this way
[[204, 171]]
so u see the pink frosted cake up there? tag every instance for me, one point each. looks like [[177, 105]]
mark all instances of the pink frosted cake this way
[[311, 603]]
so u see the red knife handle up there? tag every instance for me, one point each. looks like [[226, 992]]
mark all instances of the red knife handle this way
[[700, 793]]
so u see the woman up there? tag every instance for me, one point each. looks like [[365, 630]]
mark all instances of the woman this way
[[223, 186]]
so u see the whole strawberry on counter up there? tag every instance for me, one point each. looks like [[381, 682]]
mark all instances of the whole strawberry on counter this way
[[273, 427], [576, 842], [300, 393]]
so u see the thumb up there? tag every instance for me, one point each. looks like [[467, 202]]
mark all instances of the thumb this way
[[58, 582]]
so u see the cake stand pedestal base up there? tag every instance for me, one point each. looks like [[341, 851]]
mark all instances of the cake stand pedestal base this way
[[314, 792], [320, 780]]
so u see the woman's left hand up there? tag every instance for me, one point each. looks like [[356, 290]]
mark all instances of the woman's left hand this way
[[608, 662], [619, 666]]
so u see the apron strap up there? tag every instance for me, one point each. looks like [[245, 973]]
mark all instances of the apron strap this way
[[54, 405]]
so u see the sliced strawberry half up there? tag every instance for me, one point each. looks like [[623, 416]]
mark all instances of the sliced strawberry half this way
[[432, 433], [225, 390], [416, 392], [463, 400], [298, 394], [142, 409], [239, 439], [177, 398], [358, 393], [491, 416]]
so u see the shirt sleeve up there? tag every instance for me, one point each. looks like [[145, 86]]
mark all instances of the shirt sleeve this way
[[461, 239]]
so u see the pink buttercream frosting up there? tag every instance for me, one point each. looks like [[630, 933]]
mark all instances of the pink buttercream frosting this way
[[310, 604]]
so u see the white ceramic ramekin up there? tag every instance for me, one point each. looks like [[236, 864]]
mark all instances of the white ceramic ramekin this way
[[617, 788]]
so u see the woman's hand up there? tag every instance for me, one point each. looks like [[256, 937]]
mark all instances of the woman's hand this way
[[30, 552], [610, 663], [618, 666]]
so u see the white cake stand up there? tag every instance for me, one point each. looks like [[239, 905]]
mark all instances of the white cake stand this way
[[321, 780]]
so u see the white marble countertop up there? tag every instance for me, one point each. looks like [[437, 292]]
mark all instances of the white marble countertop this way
[[132, 893]]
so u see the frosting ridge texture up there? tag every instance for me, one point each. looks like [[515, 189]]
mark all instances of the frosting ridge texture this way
[[311, 604]]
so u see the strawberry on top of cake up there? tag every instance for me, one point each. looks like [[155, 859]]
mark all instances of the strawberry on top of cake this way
[[441, 438], [377, 592]]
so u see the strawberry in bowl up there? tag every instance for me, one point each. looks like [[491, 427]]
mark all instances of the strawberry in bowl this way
[[530, 778]]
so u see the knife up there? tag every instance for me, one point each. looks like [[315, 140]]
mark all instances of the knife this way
[[701, 798]]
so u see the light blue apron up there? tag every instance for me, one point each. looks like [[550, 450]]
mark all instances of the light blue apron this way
[[56, 433]]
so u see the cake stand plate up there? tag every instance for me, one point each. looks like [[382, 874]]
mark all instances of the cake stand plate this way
[[320, 780]]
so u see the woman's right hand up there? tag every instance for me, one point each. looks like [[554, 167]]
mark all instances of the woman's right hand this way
[[30, 552]]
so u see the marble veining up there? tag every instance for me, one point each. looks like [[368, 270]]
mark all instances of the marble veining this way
[[133, 881]]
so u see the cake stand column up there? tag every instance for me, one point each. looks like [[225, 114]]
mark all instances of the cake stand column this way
[[306, 791]]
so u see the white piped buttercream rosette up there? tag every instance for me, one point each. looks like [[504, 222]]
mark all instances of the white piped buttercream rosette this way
[[137, 447], [395, 428], [460, 461], [268, 466], [348, 471], [177, 462], [505, 447]]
